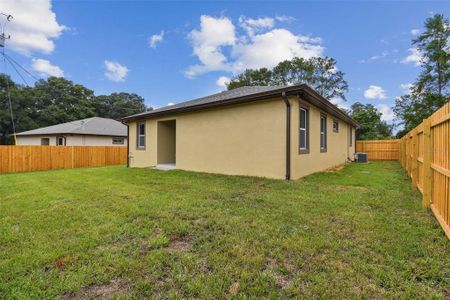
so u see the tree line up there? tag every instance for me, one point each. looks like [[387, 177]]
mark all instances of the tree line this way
[[55, 100]]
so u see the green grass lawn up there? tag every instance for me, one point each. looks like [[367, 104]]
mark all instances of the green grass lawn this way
[[359, 232]]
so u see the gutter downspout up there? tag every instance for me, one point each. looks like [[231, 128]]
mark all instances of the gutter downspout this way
[[288, 135], [128, 143]]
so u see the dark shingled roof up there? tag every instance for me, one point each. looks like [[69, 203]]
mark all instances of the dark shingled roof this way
[[222, 96], [242, 95], [90, 126]]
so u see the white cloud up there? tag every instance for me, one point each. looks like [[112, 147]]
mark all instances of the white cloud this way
[[207, 42], [414, 57], [375, 92], [284, 18], [155, 39], [406, 87], [45, 68], [386, 112], [268, 49], [415, 31], [375, 57], [222, 82], [260, 46], [115, 71], [170, 104], [339, 102], [256, 25], [34, 27]]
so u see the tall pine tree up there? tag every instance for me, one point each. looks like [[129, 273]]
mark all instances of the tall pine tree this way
[[432, 89]]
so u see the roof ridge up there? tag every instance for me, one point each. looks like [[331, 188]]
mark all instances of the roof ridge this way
[[101, 126]]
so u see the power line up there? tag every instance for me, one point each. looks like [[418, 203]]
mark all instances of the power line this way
[[20, 66], [15, 69], [14, 62]]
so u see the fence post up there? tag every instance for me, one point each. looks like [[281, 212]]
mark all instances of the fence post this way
[[414, 163], [427, 171]]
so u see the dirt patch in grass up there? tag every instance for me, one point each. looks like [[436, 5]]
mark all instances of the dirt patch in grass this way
[[282, 281], [335, 169], [347, 188], [63, 261], [178, 244], [115, 287], [234, 288]]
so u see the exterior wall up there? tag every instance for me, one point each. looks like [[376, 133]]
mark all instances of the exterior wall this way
[[338, 148], [245, 139], [71, 140], [33, 140], [142, 158]]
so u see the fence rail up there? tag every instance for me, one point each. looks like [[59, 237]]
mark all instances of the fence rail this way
[[379, 149], [424, 153], [39, 158]]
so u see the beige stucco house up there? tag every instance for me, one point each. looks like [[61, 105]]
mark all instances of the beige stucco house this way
[[275, 132], [87, 132]]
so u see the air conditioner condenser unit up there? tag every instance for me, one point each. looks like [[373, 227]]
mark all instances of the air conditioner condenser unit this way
[[361, 157]]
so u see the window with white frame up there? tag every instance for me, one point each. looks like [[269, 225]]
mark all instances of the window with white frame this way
[[304, 130], [60, 141], [141, 135], [323, 133]]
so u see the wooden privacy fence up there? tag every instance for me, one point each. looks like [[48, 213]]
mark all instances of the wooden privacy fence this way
[[424, 153], [379, 149], [38, 158]]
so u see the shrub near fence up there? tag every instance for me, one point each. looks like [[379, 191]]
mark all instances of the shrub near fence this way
[[39, 158], [424, 153], [379, 149]]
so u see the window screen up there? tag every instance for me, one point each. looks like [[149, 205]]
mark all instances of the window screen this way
[[304, 121], [141, 135], [323, 132]]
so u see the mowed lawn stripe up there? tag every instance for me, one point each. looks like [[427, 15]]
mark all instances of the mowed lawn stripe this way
[[358, 231]]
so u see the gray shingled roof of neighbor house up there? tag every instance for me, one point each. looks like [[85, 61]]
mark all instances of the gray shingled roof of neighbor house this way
[[90, 126], [242, 94]]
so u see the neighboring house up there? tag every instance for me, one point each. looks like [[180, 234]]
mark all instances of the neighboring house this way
[[87, 132], [276, 132]]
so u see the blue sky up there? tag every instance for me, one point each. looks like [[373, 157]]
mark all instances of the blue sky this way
[[107, 45]]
